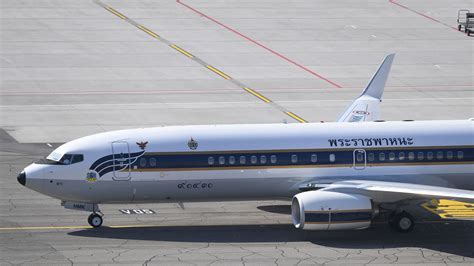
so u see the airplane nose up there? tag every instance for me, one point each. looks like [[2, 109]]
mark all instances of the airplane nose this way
[[22, 178]]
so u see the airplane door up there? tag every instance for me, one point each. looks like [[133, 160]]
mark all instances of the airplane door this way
[[121, 159], [360, 159]]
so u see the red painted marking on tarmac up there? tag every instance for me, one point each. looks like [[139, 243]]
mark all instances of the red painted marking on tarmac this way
[[423, 15], [260, 45]]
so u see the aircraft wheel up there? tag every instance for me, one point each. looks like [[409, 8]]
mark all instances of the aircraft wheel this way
[[95, 220], [402, 222]]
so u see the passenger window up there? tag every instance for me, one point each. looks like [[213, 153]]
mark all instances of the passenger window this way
[[152, 162], [429, 155], [210, 160], [253, 159], [332, 157], [77, 158], [263, 159], [439, 155], [391, 156], [381, 156], [371, 157], [242, 159], [142, 162], [421, 155], [449, 155], [460, 155], [401, 156], [411, 156], [294, 158], [221, 160], [273, 159], [231, 160], [314, 158]]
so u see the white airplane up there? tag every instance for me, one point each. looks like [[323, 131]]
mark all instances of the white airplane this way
[[339, 175]]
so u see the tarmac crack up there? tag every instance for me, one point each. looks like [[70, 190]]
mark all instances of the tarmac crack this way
[[308, 256], [149, 260], [120, 253], [242, 258], [55, 250], [180, 252], [12, 205]]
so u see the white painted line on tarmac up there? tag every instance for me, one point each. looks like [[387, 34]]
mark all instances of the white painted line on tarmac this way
[[217, 103]]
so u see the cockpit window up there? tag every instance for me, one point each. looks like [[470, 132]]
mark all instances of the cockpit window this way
[[77, 158], [66, 159]]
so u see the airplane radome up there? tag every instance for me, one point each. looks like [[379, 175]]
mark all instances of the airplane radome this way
[[339, 175]]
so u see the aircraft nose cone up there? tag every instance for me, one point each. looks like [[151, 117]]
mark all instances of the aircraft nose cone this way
[[22, 178]]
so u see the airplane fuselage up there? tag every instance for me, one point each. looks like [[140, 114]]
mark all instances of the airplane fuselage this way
[[242, 162]]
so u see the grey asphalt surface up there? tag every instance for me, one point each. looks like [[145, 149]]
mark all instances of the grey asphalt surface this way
[[72, 68]]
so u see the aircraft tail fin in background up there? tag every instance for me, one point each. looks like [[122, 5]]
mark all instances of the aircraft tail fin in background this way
[[367, 106]]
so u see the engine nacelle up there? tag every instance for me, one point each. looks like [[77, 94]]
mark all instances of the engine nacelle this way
[[325, 210]]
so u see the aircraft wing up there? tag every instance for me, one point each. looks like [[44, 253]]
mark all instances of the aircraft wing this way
[[381, 191], [367, 106]]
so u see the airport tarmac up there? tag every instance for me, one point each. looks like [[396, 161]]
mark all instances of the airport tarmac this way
[[73, 68]]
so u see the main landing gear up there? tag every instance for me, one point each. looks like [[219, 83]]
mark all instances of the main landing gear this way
[[402, 222], [95, 220]]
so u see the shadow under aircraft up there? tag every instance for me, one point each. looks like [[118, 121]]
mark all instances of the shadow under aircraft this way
[[455, 238]]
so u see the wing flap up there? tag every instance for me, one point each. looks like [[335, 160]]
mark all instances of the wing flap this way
[[381, 191]]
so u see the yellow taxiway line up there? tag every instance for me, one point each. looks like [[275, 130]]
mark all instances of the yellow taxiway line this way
[[149, 32], [218, 72], [201, 62], [450, 209], [181, 50], [294, 116], [26, 228], [258, 95], [115, 12]]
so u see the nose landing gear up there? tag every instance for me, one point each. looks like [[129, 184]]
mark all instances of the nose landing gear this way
[[95, 220]]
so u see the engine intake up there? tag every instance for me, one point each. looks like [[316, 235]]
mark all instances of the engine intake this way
[[325, 210]]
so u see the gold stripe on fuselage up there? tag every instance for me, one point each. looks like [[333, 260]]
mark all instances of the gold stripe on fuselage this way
[[288, 166], [334, 149], [339, 222]]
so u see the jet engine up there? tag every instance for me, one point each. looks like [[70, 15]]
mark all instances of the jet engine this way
[[326, 210]]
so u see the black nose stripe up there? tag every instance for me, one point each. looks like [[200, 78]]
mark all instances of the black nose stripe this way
[[22, 178]]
